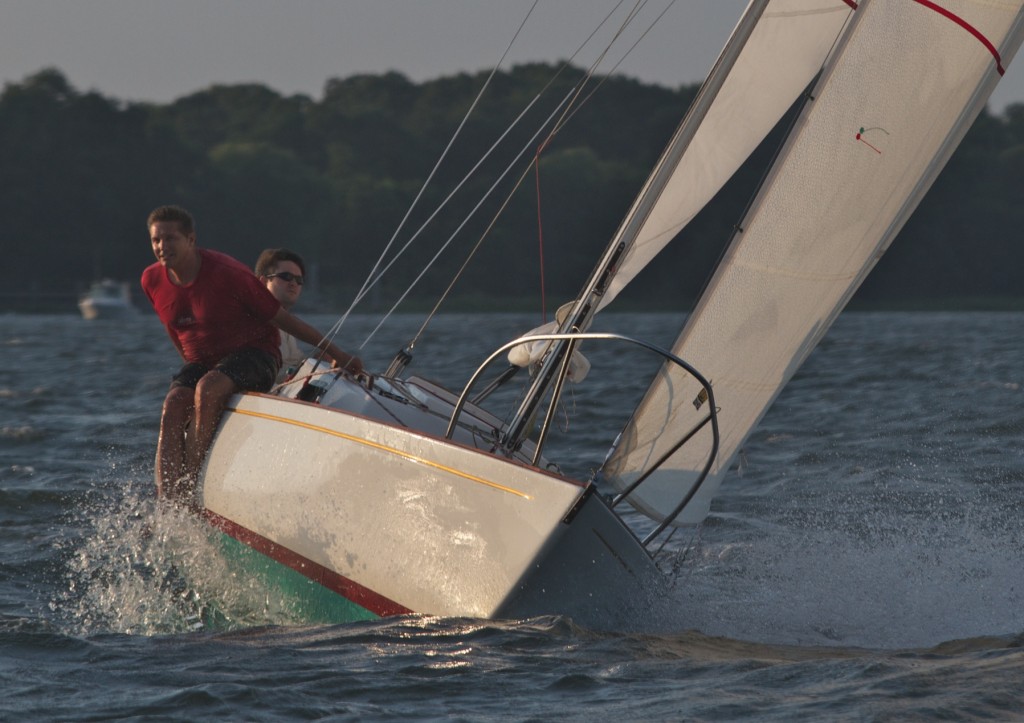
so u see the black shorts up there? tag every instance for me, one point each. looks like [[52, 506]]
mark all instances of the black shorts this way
[[252, 370]]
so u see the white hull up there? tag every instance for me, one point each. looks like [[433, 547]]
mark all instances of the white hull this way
[[399, 520]]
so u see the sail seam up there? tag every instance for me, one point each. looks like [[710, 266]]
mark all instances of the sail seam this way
[[792, 273]]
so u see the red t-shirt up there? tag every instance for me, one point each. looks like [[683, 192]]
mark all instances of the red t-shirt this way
[[224, 309]]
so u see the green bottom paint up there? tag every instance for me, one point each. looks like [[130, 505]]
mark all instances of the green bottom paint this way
[[307, 599]]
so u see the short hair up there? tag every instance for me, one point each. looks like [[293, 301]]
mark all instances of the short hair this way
[[174, 214], [267, 263]]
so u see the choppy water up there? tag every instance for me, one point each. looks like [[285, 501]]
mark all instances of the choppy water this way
[[866, 562]]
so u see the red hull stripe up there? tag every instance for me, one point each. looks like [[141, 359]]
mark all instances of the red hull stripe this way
[[969, 28], [348, 589]]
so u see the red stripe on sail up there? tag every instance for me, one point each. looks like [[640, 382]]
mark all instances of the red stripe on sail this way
[[348, 589], [969, 28]]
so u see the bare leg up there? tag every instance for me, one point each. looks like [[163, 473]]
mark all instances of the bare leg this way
[[170, 446], [212, 394]]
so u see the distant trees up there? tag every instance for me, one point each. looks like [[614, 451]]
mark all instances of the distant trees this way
[[334, 177], [78, 170]]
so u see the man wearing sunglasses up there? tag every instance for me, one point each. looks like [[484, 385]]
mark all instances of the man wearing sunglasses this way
[[283, 273], [225, 324]]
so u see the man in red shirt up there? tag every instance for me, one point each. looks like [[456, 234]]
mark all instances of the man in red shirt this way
[[224, 323]]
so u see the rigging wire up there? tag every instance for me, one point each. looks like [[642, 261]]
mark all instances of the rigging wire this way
[[504, 205], [572, 93], [455, 233], [370, 279], [486, 231], [570, 109], [575, 93], [625, 55], [452, 193], [592, 68], [540, 229]]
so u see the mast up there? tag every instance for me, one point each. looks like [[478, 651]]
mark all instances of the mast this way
[[586, 305]]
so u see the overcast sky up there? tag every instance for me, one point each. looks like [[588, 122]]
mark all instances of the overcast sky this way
[[162, 49]]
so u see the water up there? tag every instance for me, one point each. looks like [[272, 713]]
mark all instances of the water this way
[[865, 563]]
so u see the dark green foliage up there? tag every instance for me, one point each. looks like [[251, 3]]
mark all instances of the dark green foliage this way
[[333, 178]]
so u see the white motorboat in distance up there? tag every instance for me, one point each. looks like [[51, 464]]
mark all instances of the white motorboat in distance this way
[[107, 299]]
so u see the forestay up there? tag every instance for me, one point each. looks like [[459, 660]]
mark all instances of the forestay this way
[[903, 85]]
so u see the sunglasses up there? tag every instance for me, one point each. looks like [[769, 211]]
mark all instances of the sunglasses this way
[[286, 276]]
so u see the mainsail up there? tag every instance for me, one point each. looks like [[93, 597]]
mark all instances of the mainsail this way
[[896, 96]]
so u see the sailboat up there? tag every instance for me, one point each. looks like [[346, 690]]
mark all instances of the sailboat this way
[[383, 495]]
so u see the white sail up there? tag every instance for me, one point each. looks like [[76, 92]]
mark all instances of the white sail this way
[[777, 63], [894, 101]]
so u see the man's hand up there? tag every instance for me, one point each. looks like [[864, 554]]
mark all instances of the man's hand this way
[[348, 363]]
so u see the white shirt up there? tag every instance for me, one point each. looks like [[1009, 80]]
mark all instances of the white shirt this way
[[291, 356]]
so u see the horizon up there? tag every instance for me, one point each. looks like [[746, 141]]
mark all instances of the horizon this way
[[152, 51]]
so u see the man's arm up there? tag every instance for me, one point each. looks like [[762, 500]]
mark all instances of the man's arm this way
[[301, 330]]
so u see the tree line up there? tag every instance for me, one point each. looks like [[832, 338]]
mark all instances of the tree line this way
[[333, 178]]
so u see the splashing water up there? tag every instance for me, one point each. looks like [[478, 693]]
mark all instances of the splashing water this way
[[148, 568]]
